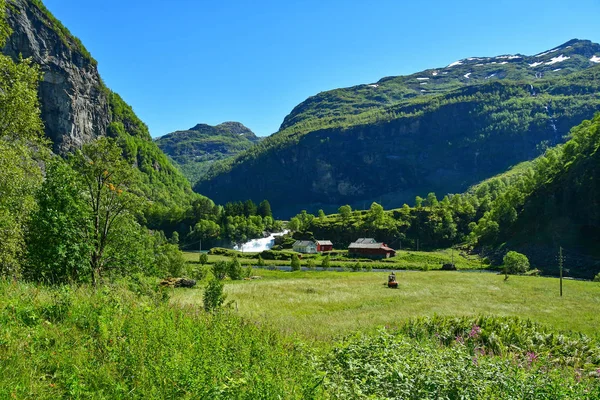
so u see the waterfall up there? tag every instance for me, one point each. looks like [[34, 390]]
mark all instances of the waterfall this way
[[258, 245]]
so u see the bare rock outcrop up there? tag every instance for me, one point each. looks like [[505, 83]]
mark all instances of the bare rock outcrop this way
[[74, 101]]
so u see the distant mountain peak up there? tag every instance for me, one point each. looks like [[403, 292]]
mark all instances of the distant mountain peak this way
[[229, 127], [195, 149]]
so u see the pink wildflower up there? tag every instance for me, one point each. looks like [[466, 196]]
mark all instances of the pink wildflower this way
[[531, 357], [475, 331]]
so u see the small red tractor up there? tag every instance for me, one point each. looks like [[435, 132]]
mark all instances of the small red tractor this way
[[392, 282]]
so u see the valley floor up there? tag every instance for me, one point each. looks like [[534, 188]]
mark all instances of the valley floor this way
[[325, 305]]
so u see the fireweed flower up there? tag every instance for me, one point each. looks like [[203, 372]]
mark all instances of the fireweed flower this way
[[475, 331]]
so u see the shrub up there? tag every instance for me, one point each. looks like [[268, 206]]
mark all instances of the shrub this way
[[295, 263], [235, 270], [325, 264], [368, 268], [515, 263], [311, 265], [260, 262], [597, 278], [219, 269], [356, 267], [213, 297], [203, 258]]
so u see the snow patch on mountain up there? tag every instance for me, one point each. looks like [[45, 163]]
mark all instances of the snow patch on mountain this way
[[467, 75], [535, 64], [422, 79], [454, 64], [595, 59], [558, 59]]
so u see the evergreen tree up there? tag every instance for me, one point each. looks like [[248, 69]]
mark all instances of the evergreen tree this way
[[264, 209], [295, 263]]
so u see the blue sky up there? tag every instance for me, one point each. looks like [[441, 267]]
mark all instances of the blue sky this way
[[183, 62]]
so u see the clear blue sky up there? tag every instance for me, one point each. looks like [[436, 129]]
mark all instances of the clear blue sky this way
[[182, 62]]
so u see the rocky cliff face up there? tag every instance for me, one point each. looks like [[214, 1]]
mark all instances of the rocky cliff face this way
[[74, 101]]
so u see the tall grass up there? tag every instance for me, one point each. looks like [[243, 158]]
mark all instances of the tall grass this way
[[114, 343]]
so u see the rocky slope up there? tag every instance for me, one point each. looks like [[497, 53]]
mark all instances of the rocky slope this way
[[439, 130], [76, 105], [74, 102], [195, 149]]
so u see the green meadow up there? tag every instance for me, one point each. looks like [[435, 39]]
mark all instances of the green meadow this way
[[323, 305]]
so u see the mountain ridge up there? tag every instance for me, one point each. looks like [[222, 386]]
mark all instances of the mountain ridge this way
[[195, 149], [530, 109]]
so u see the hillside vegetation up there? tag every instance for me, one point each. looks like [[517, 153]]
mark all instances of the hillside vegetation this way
[[345, 147], [195, 149], [536, 207]]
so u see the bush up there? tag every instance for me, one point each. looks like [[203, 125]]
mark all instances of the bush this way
[[295, 263], [368, 268], [356, 267], [203, 258], [220, 269], [311, 265], [260, 262], [213, 297], [235, 270], [170, 259], [515, 263], [325, 264], [597, 278]]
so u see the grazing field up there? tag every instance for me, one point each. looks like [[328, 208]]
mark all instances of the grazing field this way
[[413, 260], [325, 305]]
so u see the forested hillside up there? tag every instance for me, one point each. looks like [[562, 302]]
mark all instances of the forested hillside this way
[[557, 202], [195, 149], [535, 208], [440, 130]]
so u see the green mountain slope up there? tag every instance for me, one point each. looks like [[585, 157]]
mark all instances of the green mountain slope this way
[[195, 149], [557, 203], [390, 141]]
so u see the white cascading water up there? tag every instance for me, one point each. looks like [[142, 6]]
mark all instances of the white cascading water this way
[[258, 245]]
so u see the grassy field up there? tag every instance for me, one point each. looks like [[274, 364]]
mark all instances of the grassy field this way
[[417, 260], [325, 305]]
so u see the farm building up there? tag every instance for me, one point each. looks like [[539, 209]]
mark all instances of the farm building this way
[[305, 246], [370, 248], [324, 245]]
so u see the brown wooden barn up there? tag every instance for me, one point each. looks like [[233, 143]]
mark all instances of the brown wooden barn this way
[[324, 245], [370, 248]]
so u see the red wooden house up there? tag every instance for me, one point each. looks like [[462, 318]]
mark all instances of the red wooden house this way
[[324, 245], [369, 248]]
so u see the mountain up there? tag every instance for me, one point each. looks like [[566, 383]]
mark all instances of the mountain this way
[[557, 203], [195, 149], [440, 130], [77, 107]]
